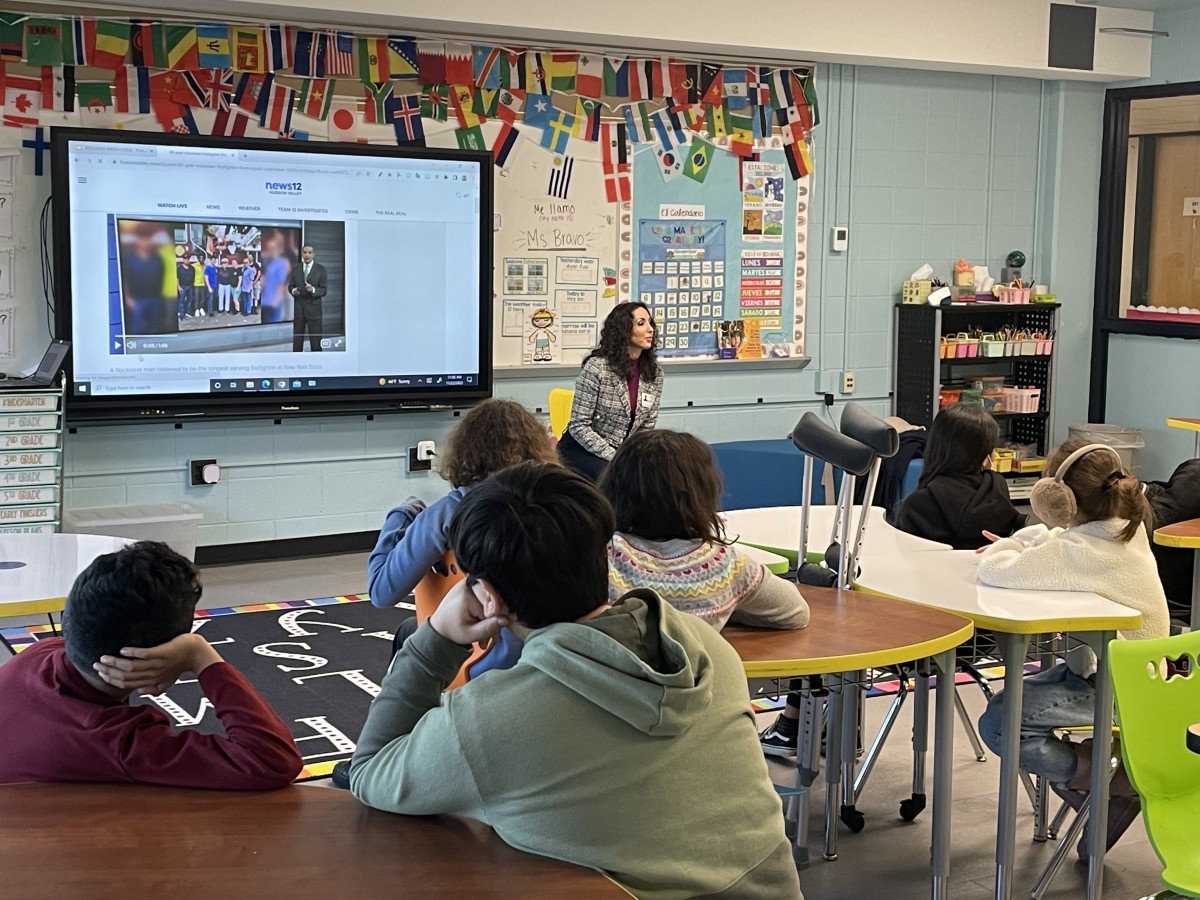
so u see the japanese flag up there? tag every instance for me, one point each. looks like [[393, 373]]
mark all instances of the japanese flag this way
[[343, 122]]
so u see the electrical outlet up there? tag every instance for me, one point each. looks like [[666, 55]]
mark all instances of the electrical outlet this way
[[196, 470], [847, 382], [426, 451], [416, 464], [829, 399]]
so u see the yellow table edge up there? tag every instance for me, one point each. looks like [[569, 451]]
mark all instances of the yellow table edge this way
[[851, 662], [1182, 423], [1032, 626], [1176, 540], [32, 607]]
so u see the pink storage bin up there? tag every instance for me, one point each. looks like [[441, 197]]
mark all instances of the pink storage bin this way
[[1044, 347], [1014, 295]]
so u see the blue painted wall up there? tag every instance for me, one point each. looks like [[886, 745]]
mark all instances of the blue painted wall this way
[[922, 166]]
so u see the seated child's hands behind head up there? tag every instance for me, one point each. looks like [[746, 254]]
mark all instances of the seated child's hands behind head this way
[[152, 670]]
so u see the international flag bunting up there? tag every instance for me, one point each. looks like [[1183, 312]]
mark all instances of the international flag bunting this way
[[339, 60], [148, 45], [94, 99], [587, 119], [249, 49], [434, 103], [535, 73], [193, 88], [111, 44], [404, 112], [795, 148], [563, 70], [22, 100], [741, 133], [486, 66], [387, 59], [784, 88], [810, 97], [58, 88], [183, 52], [308, 59], [699, 158], [589, 76], [615, 162], [470, 138], [276, 112], [684, 82], [484, 102], [343, 123], [463, 100], [222, 84], [645, 79], [314, 97], [616, 77], [504, 148], [79, 44], [163, 85], [375, 107], [512, 70], [431, 62], [280, 42], [559, 184], [735, 88], [510, 105], [12, 37], [44, 44], [250, 92], [637, 118], [212, 44], [670, 163], [760, 122], [230, 123], [459, 69], [538, 111], [558, 130], [758, 85], [799, 115], [293, 135], [716, 120], [712, 84], [174, 117], [131, 90], [668, 128]]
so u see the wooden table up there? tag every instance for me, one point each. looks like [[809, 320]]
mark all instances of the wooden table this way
[[119, 841], [949, 581], [847, 634], [1187, 425], [772, 562], [1185, 535]]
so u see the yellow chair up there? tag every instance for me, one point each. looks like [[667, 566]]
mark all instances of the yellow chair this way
[[560, 410]]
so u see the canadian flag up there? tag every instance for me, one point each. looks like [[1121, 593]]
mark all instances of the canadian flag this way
[[22, 100], [343, 122]]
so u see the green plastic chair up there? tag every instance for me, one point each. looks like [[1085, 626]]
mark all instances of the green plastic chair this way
[[1155, 713]]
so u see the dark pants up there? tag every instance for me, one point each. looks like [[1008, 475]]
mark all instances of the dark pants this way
[[577, 458], [185, 300], [404, 631], [307, 315]]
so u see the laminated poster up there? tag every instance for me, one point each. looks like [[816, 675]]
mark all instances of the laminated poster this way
[[762, 202], [542, 342]]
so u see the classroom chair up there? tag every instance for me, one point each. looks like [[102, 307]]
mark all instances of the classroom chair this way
[[430, 591], [559, 405], [770, 472], [1158, 705]]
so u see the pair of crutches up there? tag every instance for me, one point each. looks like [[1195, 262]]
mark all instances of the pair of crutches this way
[[858, 450]]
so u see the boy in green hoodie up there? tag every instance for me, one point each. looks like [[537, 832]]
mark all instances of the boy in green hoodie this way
[[622, 740]]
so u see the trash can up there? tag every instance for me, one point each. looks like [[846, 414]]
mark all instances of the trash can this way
[[1125, 440], [175, 524]]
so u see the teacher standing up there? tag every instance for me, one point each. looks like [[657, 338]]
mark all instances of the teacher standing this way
[[616, 393]]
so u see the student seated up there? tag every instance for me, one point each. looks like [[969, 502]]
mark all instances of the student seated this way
[[127, 626], [1097, 541], [665, 490], [622, 739], [958, 496]]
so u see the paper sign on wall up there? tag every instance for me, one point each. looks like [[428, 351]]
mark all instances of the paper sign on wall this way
[[6, 214], [6, 331], [1191, 206], [7, 158], [577, 304], [579, 335], [542, 343], [6, 273]]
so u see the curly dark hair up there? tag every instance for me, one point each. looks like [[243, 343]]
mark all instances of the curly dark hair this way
[[614, 341], [495, 434]]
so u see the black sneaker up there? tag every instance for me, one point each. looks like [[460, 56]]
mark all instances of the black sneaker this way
[[341, 775], [776, 742]]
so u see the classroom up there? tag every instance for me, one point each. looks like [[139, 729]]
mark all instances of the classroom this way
[[823, 231]]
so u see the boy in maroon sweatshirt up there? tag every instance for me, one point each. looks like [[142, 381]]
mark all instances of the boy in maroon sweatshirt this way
[[64, 712]]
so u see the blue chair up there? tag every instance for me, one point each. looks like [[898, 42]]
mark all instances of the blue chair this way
[[768, 473]]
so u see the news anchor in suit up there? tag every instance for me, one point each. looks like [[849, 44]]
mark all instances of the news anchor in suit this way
[[617, 392], [307, 284]]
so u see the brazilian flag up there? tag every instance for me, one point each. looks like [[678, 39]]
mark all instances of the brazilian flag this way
[[699, 158]]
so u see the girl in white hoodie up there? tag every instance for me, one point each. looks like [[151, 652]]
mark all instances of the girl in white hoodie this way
[[1098, 541]]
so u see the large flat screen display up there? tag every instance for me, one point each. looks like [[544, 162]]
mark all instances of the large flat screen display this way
[[213, 278]]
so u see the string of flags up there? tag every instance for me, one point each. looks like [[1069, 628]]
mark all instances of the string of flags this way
[[262, 74]]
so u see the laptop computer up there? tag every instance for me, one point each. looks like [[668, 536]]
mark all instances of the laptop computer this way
[[47, 370]]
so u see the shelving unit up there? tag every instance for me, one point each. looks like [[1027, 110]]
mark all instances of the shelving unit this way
[[31, 460], [920, 370]]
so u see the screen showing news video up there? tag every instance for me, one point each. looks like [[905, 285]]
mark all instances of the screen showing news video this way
[[235, 269]]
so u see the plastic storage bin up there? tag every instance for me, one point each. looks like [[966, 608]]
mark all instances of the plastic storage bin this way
[[1125, 440], [175, 524]]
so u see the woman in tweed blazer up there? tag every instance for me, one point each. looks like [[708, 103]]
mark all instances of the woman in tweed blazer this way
[[616, 393]]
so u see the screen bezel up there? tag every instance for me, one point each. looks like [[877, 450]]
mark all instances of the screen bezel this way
[[87, 409]]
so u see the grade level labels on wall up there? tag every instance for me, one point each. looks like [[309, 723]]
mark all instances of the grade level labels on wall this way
[[42, 494], [36, 528], [681, 279], [10, 478], [31, 459], [27, 402], [33, 439], [29, 422], [760, 294], [11, 515]]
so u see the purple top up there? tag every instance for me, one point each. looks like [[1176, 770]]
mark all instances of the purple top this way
[[634, 377]]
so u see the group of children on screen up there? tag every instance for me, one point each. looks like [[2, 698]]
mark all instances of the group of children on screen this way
[[580, 592]]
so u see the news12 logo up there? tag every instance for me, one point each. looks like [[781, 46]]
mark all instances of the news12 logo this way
[[283, 187]]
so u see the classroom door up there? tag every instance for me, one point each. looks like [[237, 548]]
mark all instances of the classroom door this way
[[1173, 263]]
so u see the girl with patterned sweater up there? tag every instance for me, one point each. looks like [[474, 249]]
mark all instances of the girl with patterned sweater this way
[[665, 490]]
